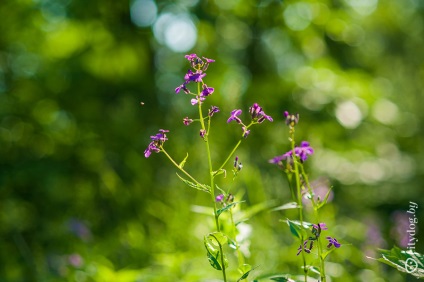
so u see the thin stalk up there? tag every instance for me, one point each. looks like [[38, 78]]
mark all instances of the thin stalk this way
[[314, 204], [234, 149], [211, 176], [299, 195]]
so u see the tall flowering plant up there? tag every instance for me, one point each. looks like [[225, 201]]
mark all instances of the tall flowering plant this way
[[220, 199], [309, 234]]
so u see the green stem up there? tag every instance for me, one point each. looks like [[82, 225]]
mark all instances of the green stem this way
[[316, 214], [222, 258], [234, 149], [299, 196], [211, 176]]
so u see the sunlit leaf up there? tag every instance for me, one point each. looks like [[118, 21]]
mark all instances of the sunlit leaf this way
[[214, 244], [291, 205], [203, 187], [404, 261], [297, 229], [182, 163], [324, 201], [227, 207], [246, 269]]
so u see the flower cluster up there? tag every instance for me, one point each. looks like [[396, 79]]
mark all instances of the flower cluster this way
[[199, 66], [157, 142], [316, 231], [224, 200], [257, 114], [302, 152]]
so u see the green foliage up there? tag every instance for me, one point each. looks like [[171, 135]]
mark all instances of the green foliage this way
[[404, 261], [214, 243]]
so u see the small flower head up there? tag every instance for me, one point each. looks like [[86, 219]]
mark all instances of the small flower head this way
[[332, 241], [202, 133], [234, 116], [291, 120], [213, 110], [187, 121], [206, 91], [245, 132], [319, 226], [304, 151], [196, 100], [157, 141], [183, 87], [219, 198], [258, 114], [304, 247]]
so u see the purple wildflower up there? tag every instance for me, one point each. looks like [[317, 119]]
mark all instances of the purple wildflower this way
[[332, 241], [303, 151], [258, 114], [278, 160], [236, 161], [206, 90], [196, 101], [157, 142], [234, 116], [303, 247], [194, 76], [208, 60], [191, 57], [187, 121], [219, 198], [320, 226], [213, 110], [183, 87]]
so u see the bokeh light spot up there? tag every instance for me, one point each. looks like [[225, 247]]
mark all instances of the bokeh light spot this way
[[385, 111], [143, 12], [298, 16], [348, 114], [177, 32]]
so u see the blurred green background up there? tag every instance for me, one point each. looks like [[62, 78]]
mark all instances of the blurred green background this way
[[78, 200]]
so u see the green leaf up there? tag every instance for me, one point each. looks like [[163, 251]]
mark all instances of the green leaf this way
[[245, 269], [218, 172], [320, 205], [182, 163], [227, 207], [404, 261], [201, 187], [291, 205], [213, 243], [298, 229]]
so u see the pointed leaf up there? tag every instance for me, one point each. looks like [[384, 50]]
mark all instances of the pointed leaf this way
[[213, 243], [201, 187], [218, 172], [404, 261], [182, 163], [291, 205], [298, 229], [320, 205], [246, 268], [227, 207]]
